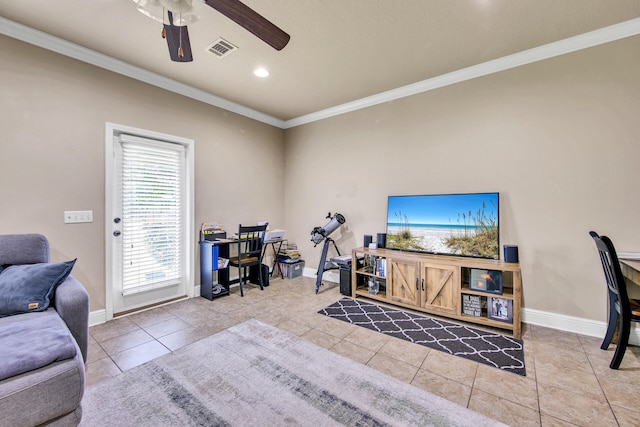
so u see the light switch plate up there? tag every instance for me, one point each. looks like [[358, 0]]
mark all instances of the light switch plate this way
[[73, 217]]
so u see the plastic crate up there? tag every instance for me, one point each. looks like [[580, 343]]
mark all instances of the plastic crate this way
[[294, 270]]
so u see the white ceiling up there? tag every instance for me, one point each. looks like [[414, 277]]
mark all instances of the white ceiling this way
[[340, 50]]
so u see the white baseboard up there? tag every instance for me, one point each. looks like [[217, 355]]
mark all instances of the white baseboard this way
[[332, 276], [592, 328], [97, 317]]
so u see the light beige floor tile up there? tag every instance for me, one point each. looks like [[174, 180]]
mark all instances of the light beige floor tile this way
[[626, 417], [526, 331], [112, 329], [573, 407], [320, 338], [573, 380], [562, 357], [395, 368], [166, 327], [195, 318], [336, 327], [150, 317], [367, 338], [273, 318], [312, 321], [353, 351], [622, 392], [443, 387], [590, 345], [452, 367], [184, 306], [554, 337], [503, 410], [294, 327], [181, 338], [100, 370], [135, 356], [405, 351], [126, 341], [601, 360], [507, 385], [95, 352], [549, 421], [529, 363]]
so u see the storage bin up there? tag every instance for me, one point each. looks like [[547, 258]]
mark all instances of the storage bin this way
[[295, 270]]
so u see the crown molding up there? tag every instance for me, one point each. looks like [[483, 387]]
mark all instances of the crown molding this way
[[72, 50], [583, 41]]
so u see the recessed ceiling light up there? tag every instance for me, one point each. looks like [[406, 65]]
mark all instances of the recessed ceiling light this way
[[261, 72]]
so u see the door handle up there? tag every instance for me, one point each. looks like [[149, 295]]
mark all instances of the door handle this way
[[117, 233], [422, 285], [116, 220], [417, 287]]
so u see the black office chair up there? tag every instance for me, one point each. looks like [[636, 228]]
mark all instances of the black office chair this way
[[621, 307], [250, 241]]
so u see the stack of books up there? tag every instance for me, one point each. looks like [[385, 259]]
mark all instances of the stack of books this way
[[289, 255]]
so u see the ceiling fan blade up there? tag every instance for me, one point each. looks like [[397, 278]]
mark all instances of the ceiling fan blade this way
[[178, 41], [252, 21]]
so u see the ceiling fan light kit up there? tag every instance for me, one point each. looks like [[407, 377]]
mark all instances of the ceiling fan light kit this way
[[177, 6], [151, 8], [170, 14]]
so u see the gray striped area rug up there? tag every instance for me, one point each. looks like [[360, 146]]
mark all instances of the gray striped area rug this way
[[490, 348], [256, 375]]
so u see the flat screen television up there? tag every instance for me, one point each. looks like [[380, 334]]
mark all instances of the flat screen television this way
[[445, 224]]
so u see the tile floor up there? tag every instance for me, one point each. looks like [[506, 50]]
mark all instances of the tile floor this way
[[568, 380]]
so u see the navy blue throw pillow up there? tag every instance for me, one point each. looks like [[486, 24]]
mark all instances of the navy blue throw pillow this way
[[29, 287]]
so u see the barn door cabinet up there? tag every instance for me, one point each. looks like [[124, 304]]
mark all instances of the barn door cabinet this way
[[439, 285]]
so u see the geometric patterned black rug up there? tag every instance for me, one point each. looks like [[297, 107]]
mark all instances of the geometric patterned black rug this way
[[490, 348]]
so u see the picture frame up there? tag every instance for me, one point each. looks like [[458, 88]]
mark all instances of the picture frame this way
[[489, 281], [473, 305], [500, 309]]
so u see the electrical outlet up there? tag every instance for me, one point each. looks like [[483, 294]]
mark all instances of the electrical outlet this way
[[73, 217]]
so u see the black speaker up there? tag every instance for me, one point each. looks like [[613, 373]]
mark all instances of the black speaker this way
[[510, 253], [381, 240], [368, 238]]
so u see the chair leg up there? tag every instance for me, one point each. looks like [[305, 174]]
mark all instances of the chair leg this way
[[623, 341], [260, 276], [611, 325], [240, 274]]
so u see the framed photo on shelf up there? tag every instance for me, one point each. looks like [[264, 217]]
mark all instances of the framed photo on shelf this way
[[500, 309], [472, 305], [486, 281]]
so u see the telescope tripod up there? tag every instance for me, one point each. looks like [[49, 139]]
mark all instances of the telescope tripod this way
[[324, 265]]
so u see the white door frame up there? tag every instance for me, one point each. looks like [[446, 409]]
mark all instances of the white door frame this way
[[113, 130]]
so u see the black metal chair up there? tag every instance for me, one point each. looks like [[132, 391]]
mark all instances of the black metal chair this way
[[621, 307], [250, 241]]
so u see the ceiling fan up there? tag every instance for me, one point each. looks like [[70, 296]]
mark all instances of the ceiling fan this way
[[175, 15]]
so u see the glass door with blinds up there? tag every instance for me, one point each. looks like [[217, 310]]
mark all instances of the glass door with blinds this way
[[149, 222]]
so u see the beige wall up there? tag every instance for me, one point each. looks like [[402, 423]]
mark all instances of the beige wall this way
[[536, 134], [559, 139], [52, 147]]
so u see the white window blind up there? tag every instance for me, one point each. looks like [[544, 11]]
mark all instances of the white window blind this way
[[152, 202]]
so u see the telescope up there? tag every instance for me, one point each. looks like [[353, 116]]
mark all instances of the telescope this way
[[318, 234]]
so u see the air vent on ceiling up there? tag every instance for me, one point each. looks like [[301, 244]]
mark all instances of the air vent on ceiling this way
[[221, 48]]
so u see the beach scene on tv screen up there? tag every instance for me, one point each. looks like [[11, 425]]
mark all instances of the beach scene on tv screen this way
[[455, 224]]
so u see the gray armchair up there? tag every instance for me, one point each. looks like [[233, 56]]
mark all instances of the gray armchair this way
[[48, 394]]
